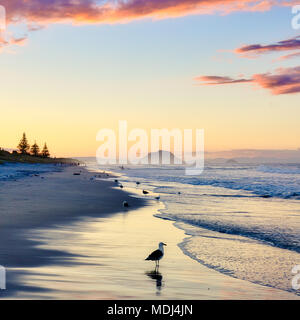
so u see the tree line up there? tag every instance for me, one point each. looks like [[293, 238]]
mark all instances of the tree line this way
[[25, 148]]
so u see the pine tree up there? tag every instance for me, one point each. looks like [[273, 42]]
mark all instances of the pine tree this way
[[45, 152], [35, 149], [23, 145]]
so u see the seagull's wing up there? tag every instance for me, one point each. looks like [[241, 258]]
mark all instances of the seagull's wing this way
[[155, 255]]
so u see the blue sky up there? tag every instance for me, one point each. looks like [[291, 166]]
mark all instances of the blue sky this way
[[85, 77]]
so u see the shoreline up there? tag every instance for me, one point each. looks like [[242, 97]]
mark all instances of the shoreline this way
[[189, 236], [37, 192], [47, 201], [87, 246]]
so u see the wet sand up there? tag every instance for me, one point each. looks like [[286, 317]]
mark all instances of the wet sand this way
[[48, 200], [81, 244]]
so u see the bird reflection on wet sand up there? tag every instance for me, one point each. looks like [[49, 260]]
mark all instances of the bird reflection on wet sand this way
[[157, 276]]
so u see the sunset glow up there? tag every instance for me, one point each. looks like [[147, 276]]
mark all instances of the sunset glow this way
[[71, 68]]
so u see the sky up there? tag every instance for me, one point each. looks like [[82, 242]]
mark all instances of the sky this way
[[70, 68]]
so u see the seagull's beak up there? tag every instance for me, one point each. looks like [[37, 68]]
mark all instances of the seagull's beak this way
[[164, 244]]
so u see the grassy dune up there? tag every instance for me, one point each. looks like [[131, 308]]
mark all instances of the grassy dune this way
[[6, 156]]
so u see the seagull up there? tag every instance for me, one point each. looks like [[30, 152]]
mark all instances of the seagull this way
[[125, 204], [157, 254]]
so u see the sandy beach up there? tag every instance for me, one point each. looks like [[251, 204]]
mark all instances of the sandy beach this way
[[48, 200], [68, 237], [131, 124]]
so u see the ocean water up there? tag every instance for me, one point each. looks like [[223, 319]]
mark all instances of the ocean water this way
[[241, 220], [14, 171]]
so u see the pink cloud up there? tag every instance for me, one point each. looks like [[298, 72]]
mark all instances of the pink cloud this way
[[214, 80], [9, 40], [289, 56], [37, 14], [111, 11], [285, 45], [284, 81]]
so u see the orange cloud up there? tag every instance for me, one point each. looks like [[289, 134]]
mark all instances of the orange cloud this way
[[9, 40], [213, 80], [37, 14], [111, 11], [284, 81], [284, 45], [289, 56]]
